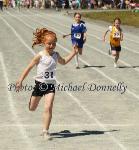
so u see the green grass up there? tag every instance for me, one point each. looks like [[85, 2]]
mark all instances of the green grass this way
[[127, 17]]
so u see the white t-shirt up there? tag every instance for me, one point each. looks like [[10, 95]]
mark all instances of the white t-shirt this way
[[110, 28], [46, 69]]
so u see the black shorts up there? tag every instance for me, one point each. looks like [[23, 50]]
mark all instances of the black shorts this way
[[115, 48], [41, 89]]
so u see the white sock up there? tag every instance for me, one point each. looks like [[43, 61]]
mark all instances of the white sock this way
[[44, 130]]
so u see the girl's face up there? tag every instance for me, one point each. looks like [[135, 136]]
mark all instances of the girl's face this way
[[77, 18], [50, 43], [117, 23]]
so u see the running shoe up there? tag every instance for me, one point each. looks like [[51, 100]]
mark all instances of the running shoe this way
[[115, 65]]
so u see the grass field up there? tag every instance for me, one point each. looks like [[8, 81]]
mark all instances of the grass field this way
[[127, 18]]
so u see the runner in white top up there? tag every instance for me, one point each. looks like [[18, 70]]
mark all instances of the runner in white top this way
[[46, 68], [46, 61]]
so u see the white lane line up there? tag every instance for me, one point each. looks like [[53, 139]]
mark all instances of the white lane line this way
[[129, 39], [12, 108], [17, 35], [90, 115], [21, 14], [97, 70], [94, 48], [66, 125]]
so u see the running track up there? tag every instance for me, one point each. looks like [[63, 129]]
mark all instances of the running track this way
[[82, 120]]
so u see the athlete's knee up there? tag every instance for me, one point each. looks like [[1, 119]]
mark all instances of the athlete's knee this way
[[48, 109], [32, 108], [117, 56], [80, 53], [114, 54]]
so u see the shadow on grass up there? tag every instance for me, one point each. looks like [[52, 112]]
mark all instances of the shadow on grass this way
[[68, 134]]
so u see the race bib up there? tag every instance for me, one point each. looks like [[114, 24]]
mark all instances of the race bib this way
[[49, 75], [77, 35], [116, 35]]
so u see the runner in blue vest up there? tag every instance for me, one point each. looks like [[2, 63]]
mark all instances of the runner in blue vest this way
[[78, 35]]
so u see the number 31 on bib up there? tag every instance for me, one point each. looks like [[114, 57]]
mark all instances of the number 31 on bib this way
[[49, 75]]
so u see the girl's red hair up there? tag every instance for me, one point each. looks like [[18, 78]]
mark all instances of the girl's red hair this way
[[40, 34]]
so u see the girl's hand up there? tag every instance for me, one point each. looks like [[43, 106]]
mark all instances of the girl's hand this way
[[64, 36], [18, 85], [104, 39]]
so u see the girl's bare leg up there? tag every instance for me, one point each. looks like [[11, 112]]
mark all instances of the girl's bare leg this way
[[33, 103], [76, 57], [80, 51], [77, 61], [116, 57], [47, 115]]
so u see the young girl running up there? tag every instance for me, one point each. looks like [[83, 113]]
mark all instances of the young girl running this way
[[45, 61], [78, 36], [116, 36]]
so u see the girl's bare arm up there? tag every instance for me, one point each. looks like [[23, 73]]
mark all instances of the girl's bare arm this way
[[33, 62], [65, 60], [84, 36], [122, 36], [104, 37], [65, 35]]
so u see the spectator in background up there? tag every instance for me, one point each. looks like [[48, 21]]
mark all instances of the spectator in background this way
[[94, 3], [89, 4], [13, 3], [84, 4], [74, 4], [5, 3], [122, 4], [78, 4], [100, 3], [18, 3], [132, 4], [1, 5], [36, 4], [127, 3], [70, 4], [58, 4], [52, 3], [63, 3]]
